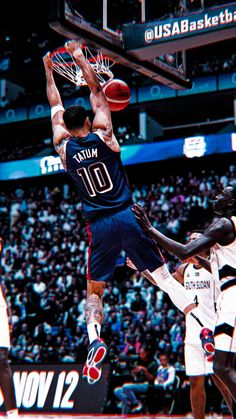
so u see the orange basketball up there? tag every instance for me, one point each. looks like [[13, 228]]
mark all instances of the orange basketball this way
[[118, 94]]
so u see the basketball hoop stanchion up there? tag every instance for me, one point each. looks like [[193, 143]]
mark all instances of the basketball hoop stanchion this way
[[64, 64]]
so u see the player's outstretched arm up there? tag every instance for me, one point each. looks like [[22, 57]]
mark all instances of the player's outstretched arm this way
[[178, 274], [130, 264], [146, 274], [214, 233], [203, 262], [102, 114], [55, 102], [75, 48], [53, 95]]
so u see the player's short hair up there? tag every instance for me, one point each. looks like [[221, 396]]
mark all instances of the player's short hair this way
[[74, 117]]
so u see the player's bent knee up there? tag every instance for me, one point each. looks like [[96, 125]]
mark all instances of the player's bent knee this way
[[197, 382], [96, 287]]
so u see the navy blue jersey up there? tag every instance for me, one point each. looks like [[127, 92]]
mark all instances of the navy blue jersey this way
[[98, 175]]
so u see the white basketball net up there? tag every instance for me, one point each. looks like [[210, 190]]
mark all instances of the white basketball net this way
[[65, 65]]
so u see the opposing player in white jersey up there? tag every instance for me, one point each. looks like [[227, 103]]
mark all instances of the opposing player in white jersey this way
[[220, 237], [6, 381], [200, 285], [203, 290]]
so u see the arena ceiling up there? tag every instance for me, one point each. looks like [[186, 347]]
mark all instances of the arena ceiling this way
[[25, 37]]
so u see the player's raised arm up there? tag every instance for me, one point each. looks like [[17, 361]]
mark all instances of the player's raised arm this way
[[178, 274], [102, 114], [211, 236], [55, 102], [75, 48]]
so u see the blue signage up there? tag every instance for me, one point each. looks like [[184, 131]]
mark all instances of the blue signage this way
[[190, 147]]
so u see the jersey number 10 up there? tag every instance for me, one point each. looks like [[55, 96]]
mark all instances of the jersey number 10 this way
[[96, 178]]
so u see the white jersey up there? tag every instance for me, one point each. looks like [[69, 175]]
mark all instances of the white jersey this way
[[223, 260], [200, 285], [223, 266]]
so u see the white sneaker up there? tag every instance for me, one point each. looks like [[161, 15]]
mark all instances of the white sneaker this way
[[13, 414]]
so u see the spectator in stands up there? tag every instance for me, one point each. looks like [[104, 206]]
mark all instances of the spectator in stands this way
[[143, 373], [24, 257], [138, 305], [39, 286], [164, 381]]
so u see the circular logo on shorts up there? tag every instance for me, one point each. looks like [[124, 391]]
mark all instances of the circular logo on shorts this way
[[149, 35]]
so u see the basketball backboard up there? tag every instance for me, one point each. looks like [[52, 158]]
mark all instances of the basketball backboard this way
[[90, 22]]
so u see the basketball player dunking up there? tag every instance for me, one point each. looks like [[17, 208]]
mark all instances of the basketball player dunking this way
[[6, 381], [220, 238], [90, 154]]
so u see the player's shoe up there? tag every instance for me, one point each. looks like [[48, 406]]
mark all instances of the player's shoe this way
[[13, 414], [208, 343], [97, 352], [137, 408]]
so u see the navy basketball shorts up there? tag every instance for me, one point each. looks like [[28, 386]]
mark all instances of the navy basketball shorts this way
[[109, 235]]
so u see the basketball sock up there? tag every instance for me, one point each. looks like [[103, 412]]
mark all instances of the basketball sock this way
[[94, 330]]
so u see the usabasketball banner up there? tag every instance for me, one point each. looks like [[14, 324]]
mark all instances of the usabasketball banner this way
[[57, 388], [213, 24]]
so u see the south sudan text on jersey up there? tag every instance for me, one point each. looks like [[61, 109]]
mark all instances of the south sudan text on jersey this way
[[197, 285]]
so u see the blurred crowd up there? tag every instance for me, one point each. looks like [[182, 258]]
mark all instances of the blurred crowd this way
[[19, 148], [217, 64], [44, 270], [16, 150]]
